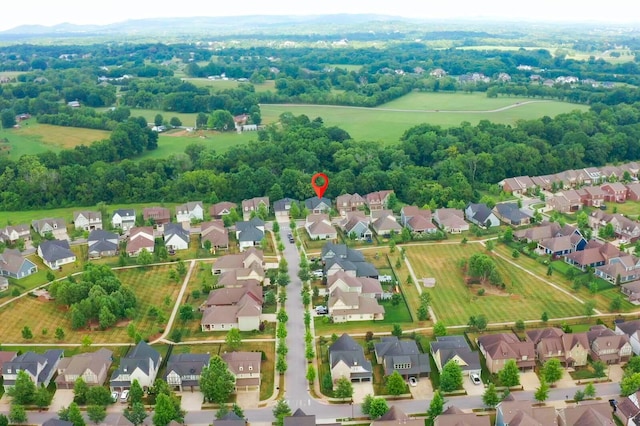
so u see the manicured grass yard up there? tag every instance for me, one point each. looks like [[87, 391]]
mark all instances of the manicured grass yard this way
[[151, 286], [629, 208], [453, 303]]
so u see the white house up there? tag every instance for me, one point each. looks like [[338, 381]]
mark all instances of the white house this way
[[141, 363], [124, 219], [55, 253], [189, 211], [175, 237], [87, 220]]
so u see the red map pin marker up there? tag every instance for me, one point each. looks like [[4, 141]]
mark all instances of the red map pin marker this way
[[320, 189]]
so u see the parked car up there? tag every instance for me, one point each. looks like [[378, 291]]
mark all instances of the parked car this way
[[322, 310], [114, 396], [125, 396], [475, 378], [318, 273], [413, 382]]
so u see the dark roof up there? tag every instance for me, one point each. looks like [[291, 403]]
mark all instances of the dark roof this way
[[253, 223], [313, 202], [229, 419], [349, 351], [362, 269], [251, 234], [30, 361], [281, 205], [175, 229], [450, 346], [137, 358], [125, 213], [512, 212], [342, 251], [300, 418], [100, 234], [186, 364], [629, 327], [481, 212], [53, 250]]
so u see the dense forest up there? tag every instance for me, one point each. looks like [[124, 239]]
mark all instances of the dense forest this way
[[430, 165]]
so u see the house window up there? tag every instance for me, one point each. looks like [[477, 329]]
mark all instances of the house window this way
[[240, 368], [250, 367]]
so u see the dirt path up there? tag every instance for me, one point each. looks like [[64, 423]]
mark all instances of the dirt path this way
[[504, 108]]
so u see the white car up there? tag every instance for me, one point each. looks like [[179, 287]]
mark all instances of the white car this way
[[475, 379], [125, 396], [321, 310], [413, 382], [114, 396], [318, 273]]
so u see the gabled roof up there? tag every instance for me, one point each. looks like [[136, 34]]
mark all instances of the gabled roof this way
[[479, 212], [299, 418], [54, 250], [138, 357], [56, 223], [347, 350], [87, 214], [171, 229], [587, 414], [506, 346], [511, 212], [219, 208], [386, 224], [629, 327], [157, 213], [230, 419], [315, 202], [189, 206], [523, 413], [283, 205], [126, 213], [78, 364], [11, 260], [241, 362], [452, 346], [187, 364], [56, 422]]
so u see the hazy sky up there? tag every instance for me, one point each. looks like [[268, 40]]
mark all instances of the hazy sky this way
[[48, 12]]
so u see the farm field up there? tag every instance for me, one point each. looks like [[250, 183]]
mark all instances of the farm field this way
[[387, 126], [34, 138], [525, 296], [151, 286]]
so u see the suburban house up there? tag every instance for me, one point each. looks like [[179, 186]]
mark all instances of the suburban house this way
[[631, 329], [402, 356], [500, 348], [349, 203], [176, 237], [633, 191], [91, 366], [632, 291], [511, 214], [57, 228], [568, 201], [624, 228], [481, 215], [607, 346], [183, 371], [245, 366], [187, 212], [102, 243], [57, 422], [319, 227], [236, 307], [620, 269], [563, 244], [592, 196], [317, 205], [587, 413], [395, 416], [453, 416], [384, 223], [140, 238], [299, 418], [13, 233], [517, 185], [339, 257], [214, 232], [281, 208], [451, 220], [346, 359], [628, 409], [356, 225], [614, 192], [156, 215], [417, 220], [353, 306], [253, 205], [141, 363], [55, 253], [571, 349], [544, 230], [124, 219], [87, 220], [368, 287], [611, 173], [14, 265], [378, 200], [39, 367], [6, 356], [222, 208], [510, 412], [456, 348], [250, 233], [245, 264], [232, 419]]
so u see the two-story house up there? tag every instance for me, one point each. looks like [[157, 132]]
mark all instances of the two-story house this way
[[140, 238], [500, 348], [607, 346], [91, 366], [317, 205], [456, 349], [187, 212], [378, 200], [54, 226], [245, 366], [12, 233], [254, 205], [631, 329], [39, 367], [87, 220], [141, 363], [319, 227], [346, 359], [184, 370], [124, 219], [349, 203], [156, 215], [402, 356], [571, 349], [223, 208]]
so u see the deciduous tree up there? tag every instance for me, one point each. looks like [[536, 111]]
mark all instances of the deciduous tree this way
[[216, 381], [490, 396], [343, 388], [451, 377], [509, 376], [395, 384], [136, 414]]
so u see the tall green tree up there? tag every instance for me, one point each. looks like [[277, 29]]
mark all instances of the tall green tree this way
[[164, 411], [42, 397], [280, 411], [490, 396], [96, 413], [542, 392], [343, 388], [216, 381], [136, 414], [75, 415], [451, 377], [436, 406], [135, 392], [552, 370], [233, 339], [80, 389], [396, 384], [23, 390], [17, 414], [378, 408], [509, 376]]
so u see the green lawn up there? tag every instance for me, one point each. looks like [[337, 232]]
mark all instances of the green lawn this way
[[221, 142], [629, 208], [380, 124], [525, 296], [151, 286]]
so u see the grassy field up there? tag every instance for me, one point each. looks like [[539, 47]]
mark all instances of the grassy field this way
[[380, 124], [151, 286], [525, 296], [347, 67], [230, 84], [629, 208], [220, 142]]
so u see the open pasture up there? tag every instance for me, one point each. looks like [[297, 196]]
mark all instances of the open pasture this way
[[525, 296]]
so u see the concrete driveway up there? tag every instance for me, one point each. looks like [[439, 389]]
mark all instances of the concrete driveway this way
[[615, 373], [423, 390], [472, 389], [529, 381], [62, 398], [191, 401], [360, 390], [248, 399], [565, 382]]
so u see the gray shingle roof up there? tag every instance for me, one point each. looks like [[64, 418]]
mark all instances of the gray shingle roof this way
[[53, 250]]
